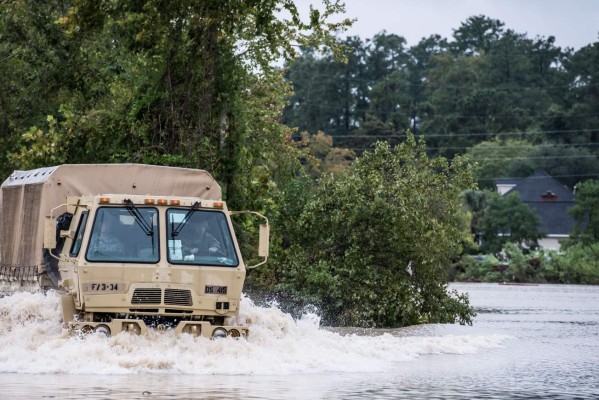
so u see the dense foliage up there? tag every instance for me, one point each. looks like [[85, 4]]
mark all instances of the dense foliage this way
[[508, 220], [586, 213], [369, 246], [179, 83], [513, 103], [579, 264]]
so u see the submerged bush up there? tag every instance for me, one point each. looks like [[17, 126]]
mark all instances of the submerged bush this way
[[369, 245], [481, 268], [577, 264]]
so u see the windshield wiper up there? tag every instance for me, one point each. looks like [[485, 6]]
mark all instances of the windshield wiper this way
[[146, 227], [175, 231]]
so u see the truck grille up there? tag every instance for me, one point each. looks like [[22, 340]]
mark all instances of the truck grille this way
[[177, 297], [172, 297], [147, 296]]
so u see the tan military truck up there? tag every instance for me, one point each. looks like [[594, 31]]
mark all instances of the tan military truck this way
[[130, 247]]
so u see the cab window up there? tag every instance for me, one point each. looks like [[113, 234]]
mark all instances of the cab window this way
[[199, 237], [76, 246], [119, 235]]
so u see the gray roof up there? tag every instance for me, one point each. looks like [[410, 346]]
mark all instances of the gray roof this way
[[554, 217], [533, 187], [550, 199]]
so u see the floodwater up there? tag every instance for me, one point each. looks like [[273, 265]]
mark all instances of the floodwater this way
[[526, 342]]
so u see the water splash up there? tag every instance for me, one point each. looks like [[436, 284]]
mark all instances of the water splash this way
[[32, 340]]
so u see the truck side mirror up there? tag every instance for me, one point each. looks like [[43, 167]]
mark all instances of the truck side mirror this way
[[50, 233], [264, 240]]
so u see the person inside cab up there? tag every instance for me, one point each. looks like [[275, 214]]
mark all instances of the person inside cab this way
[[199, 240]]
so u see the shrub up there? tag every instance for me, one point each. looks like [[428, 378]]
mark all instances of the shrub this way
[[370, 244]]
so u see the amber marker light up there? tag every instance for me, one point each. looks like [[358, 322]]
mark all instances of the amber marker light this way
[[175, 202], [162, 202], [104, 200], [148, 201], [218, 204]]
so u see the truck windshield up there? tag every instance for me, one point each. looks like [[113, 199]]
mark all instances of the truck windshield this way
[[204, 238], [118, 236]]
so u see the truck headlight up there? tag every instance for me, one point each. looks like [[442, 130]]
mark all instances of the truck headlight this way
[[219, 333], [103, 329]]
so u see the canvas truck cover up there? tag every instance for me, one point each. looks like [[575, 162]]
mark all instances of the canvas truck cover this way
[[27, 197]]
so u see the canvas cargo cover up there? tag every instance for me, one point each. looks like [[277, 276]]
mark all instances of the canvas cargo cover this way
[[27, 197]]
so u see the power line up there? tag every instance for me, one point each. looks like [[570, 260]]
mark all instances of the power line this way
[[468, 134], [532, 158], [531, 147], [542, 177], [344, 78], [356, 110]]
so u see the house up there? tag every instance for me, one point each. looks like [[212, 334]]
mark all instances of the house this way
[[549, 199]]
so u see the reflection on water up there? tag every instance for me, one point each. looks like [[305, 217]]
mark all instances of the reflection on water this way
[[539, 341]]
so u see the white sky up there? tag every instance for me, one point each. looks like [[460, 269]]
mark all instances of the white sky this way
[[574, 23]]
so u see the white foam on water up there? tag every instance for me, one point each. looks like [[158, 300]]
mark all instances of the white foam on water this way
[[32, 340]]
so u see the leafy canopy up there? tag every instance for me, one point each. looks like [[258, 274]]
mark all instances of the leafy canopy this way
[[372, 243], [586, 212], [508, 219]]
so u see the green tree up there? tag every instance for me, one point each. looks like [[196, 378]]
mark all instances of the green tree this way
[[320, 157], [477, 35], [329, 93], [508, 220], [475, 203], [582, 98], [495, 159], [36, 69], [392, 101], [422, 60], [387, 53], [494, 82], [457, 110], [185, 83], [370, 245], [578, 264], [569, 164], [515, 158], [586, 212]]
